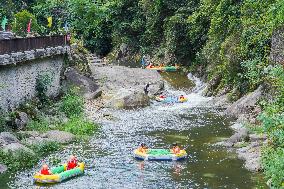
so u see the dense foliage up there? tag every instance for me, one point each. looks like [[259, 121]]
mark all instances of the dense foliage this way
[[228, 40]]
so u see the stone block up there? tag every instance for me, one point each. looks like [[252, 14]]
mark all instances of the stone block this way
[[40, 53]]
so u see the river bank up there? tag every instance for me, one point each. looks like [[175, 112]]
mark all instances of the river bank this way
[[196, 125]]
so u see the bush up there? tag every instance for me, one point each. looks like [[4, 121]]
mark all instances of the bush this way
[[72, 104], [22, 19], [17, 161], [80, 126], [21, 159], [45, 148], [41, 124], [42, 83], [272, 160]]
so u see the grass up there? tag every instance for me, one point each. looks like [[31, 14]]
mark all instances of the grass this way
[[80, 126]]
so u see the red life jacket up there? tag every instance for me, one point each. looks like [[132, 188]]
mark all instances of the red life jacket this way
[[71, 164], [44, 172]]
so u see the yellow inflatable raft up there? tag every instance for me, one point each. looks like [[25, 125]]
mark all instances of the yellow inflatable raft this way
[[159, 155], [59, 174]]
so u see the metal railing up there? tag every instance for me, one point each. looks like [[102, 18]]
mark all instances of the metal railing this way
[[8, 46]]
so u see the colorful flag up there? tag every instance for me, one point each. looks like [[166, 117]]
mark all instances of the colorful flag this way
[[3, 24], [29, 26], [49, 22]]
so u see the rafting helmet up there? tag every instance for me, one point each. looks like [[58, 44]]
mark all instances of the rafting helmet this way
[[174, 144]]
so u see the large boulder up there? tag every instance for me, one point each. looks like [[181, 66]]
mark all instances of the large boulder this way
[[128, 98], [245, 105], [60, 136], [241, 135], [251, 155], [17, 149], [22, 120], [7, 138], [112, 78], [3, 168], [88, 88]]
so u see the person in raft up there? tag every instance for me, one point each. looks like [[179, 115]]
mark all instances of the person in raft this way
[[72, 163], [143, 148], [181, 97], [175, 149], [45, 170]]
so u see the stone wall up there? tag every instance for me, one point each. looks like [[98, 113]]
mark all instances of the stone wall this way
[[18, 82]]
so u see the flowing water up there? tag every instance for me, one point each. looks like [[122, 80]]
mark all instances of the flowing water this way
[[108, 154]]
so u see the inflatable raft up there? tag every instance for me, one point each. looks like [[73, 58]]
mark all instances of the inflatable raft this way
[[171, 99], [159, 155], [163, 68], [59, 174]]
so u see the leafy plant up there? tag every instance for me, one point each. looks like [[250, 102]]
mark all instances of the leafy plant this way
[[72, 104], [20, 24], [40, 124], [42, 83], [80, 126], [272, 160]]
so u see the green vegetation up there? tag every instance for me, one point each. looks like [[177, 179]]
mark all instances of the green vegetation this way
[[226, 40], [72, 104], [21, 21], [79, 126], [22, 159]]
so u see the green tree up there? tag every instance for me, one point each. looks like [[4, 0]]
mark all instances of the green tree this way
[[21, 23]]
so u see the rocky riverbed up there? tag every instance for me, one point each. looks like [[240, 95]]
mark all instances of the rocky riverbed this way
[[246, 143]]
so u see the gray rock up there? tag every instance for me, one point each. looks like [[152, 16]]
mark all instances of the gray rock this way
[[212, 84], [3, 168], [245, 105], [220, 101], [60, 136], [253, 165], [28, 134], [129, 98], [21, 120], [239, 136], [88, 88], [36, 140], [277, 46], [15, 148], [256, 137], [251, 155], [7, 138], [112, 78]]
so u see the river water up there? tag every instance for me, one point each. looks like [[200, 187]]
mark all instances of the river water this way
[[108, 154]]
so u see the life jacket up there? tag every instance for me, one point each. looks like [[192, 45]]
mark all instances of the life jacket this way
[[71, 164], [141, 149], [176, 150], [181, 97], [44, 172]]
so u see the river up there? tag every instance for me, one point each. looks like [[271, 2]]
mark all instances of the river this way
[[108, 154]]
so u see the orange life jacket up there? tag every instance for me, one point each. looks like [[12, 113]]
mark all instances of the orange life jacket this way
[[176, 150], [44, 172]]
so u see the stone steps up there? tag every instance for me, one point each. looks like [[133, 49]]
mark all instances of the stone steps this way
[[93, 60]]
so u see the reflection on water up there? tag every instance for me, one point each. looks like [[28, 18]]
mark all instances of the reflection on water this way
[[110, 164]]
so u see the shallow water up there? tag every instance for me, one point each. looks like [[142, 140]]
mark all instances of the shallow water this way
[[108, 154]]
